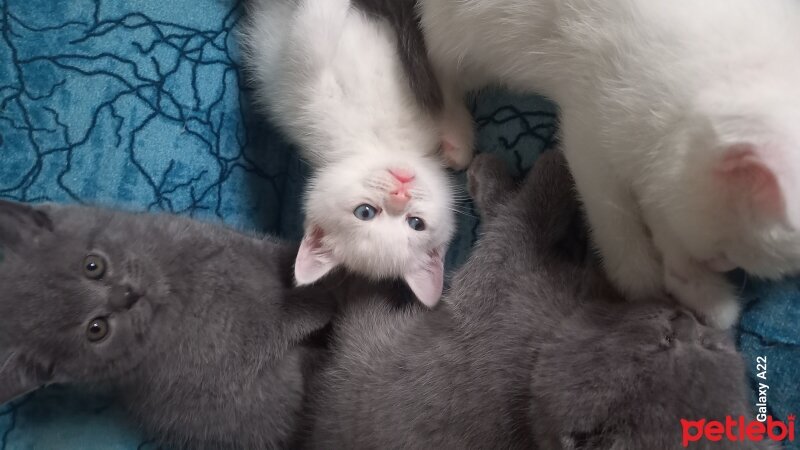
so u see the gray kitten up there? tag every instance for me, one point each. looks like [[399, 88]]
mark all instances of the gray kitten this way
[[197, 326], [530, 348]]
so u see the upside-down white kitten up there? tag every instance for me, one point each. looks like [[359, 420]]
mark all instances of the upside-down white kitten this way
[[680, 122], [379, 202]]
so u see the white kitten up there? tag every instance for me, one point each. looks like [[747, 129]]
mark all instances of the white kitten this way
[[379, 201], [680, 121]]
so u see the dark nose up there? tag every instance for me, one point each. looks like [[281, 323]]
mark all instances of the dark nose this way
[[124, 297]]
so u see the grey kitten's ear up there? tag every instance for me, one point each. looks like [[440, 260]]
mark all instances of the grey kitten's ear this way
[[19, 377], [489, 183], [20, 222], [313, 260]]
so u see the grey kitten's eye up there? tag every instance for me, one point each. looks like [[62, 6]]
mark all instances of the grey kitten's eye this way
[[97, 329], [365, 212], [416, 223], [94, 267]]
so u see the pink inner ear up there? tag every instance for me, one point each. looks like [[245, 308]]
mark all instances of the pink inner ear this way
[[427, 279], [312, 261], [747, 174]]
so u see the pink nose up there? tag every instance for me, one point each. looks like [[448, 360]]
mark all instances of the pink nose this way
[[402, 175], [396, 202]]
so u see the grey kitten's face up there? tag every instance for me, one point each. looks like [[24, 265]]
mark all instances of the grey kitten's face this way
[[618, 367], [80, 294]]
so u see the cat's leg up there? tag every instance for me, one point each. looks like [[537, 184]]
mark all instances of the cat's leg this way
[[489, 183], [694, 284], [456, 125], [538, 214], [546, 203], [705, 292], [629, 257]]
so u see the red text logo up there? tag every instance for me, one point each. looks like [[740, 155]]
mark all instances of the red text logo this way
[[737, 430]]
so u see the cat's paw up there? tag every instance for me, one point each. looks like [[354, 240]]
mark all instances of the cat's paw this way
[[708, 294], [454, 156], [722, 314], [458, 137], [488, 182], [638, 273], [485, 168]]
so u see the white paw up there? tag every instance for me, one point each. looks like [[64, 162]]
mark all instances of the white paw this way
[[455, 157], [708, 294], [722, 314], [458, 137], [639, 274]]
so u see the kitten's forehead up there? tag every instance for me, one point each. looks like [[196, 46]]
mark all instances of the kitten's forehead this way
[[89, 229], [384, 247], [120, 237]]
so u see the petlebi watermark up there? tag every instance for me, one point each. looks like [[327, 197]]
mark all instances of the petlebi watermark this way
[[740, 429]]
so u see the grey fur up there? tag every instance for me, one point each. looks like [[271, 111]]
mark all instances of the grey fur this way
[[207, 337], [531, 347], [402, 16]]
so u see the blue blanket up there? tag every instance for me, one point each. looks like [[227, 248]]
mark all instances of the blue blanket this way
[[141, 105]]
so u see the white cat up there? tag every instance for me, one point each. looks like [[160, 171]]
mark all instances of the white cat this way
[[379, 202], [680, 122]]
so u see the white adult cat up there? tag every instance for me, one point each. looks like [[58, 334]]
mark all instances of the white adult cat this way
[[680, 122], [379, 201]]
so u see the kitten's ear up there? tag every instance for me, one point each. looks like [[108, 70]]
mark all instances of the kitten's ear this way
[[752, 177], [16, 378], [313, 260], [426, 280], [20, 222]]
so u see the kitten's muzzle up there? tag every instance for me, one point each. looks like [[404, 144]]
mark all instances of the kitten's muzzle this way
[[124, 297], [396, 202]]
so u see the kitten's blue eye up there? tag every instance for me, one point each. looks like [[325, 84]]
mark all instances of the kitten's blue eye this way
[[416, 223], [365, 212]]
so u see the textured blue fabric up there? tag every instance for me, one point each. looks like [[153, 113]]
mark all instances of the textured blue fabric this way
[[141, 105]]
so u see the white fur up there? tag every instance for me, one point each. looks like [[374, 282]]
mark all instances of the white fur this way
[[331, 77], [655, 96]]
